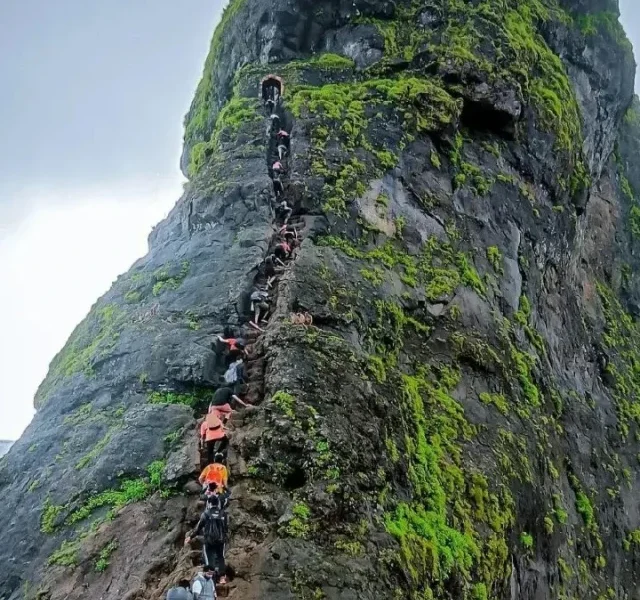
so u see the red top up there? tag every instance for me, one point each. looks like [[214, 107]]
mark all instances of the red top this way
[[232, 343], [222, 412]]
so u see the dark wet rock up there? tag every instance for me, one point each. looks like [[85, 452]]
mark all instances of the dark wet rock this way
[[460, 420]]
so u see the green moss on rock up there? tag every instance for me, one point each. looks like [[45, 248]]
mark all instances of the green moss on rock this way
[[200, 115]]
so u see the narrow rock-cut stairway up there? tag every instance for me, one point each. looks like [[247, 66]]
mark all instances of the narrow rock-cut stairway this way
[[256, 364]]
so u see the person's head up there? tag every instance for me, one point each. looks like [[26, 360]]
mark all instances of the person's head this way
[[227, 332], [218, 457], [184, 583], [208, 571]]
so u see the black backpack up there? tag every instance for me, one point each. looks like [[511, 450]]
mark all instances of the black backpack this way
[[215, 528]]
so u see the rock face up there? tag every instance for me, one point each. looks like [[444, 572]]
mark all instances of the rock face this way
[[461, 418]]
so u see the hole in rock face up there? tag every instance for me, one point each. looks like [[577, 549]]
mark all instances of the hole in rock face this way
[[483, 116], [295, 480]]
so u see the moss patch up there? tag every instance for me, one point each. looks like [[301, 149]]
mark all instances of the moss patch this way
[[94, 338]]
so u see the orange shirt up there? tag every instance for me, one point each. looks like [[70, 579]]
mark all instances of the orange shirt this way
[[215, 473], [222, 412]]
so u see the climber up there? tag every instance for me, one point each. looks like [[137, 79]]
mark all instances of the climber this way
[[283, 138], [235, 374], [203, 586], [283, 212], [180, 591], [214, 526], [278, 188], [271, 271], [270, 105], [232, 342], [259, 306], [222, 401], [283, 143], [277, 168], [225, 395], [282, 251], [271, 88], [216, 496], [215, 473], [213, 436], [291, 237], [274, 122], [287, 229], [236, 348]]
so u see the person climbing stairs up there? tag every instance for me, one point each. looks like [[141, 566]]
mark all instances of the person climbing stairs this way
[[289, 227]]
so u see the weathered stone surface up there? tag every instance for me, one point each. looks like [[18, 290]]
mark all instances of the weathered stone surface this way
[[460, 421]]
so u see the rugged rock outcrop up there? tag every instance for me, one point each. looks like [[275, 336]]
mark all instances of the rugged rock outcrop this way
[[461, 419]]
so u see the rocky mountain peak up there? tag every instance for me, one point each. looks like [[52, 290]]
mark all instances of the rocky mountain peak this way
[[445, 391]]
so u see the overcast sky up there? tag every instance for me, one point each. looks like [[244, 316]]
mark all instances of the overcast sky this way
[[93, 96]]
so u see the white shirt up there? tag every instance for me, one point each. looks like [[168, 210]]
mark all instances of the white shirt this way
[[196, 588]]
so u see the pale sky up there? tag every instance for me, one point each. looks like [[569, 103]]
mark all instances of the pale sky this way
[[91, 118], [630, 10], [93, 98]]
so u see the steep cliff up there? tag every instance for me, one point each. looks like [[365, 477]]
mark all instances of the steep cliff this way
[[461, 419]]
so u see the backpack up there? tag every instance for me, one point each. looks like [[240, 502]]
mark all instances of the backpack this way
[[215, 528], [231, 374], [213, 421], [259, 296]]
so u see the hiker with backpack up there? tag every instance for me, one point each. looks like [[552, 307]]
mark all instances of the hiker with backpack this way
[[235, 374], [213, 437], [259, 306], [214, 527], [180, 591], [203, 585]]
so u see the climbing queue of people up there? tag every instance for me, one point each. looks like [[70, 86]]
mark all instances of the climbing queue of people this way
[[233, 352]]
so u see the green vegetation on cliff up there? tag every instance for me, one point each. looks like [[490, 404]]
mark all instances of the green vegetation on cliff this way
[[622, 340], [96, 336], [361, 109], [199, 119], [499, 40]]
